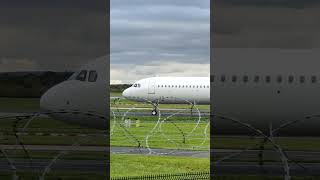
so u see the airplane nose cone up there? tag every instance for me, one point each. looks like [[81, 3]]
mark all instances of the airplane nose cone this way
[[52, 99], [125, 93], [46, 101]]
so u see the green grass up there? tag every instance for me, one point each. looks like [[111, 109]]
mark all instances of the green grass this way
[[125, 103], [173, 136], [115, 94], [39, 122], [138, 165], [55, 140], [287, 143], [71, 155], [19, 104]]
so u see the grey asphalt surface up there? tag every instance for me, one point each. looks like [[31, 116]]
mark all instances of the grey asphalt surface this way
[[115, 150], [303, 156], [160, 152], [275, 169], [55, 148], [223, 168], [65, 165]]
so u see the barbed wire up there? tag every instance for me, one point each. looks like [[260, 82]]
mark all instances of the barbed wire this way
[[28, 117], [158, 127]]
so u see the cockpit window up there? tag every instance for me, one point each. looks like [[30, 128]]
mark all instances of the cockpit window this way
[[93, 75], [82, 75], [73, 76]]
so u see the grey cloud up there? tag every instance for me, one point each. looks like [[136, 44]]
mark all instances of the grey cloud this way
[[134, 3], [129, 73], [156, 31], [54, 35], [264, 27]]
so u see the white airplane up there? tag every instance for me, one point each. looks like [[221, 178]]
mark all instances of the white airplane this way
[[82, 99], [170, 90]]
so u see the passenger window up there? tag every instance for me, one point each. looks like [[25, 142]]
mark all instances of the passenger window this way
[[223, 78], [302, 79], [279, 79], [93, 75], [234, 78], [268, 79], [313, 79], [290, 79], [256, 79], [245, 79], [82, 75]]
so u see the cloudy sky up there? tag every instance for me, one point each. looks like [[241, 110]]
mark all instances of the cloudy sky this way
[[248, 34], [56, 35], [149, 37], [159, 38], [285, 24]]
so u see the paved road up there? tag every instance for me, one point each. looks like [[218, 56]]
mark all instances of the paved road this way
[[56, 148], [305, 156], [65, 165], [253, 155], [223, 168], [116, 150], [160, 152], [247, 168]]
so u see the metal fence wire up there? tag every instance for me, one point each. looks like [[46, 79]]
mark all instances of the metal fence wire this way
[[179, 176]]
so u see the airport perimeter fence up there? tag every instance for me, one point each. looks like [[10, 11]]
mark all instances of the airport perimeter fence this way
[[180, 176]]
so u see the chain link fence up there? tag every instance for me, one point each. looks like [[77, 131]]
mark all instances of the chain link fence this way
[[179, 176]]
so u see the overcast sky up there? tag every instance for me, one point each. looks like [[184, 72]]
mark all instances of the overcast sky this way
[[149, 37], [55, 35], [282, 28], [159, 38]]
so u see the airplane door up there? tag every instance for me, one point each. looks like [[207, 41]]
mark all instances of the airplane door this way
[[152, 86]]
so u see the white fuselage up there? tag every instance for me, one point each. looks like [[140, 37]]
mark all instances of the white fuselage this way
[[82, 99], [170, 90], [266, 95]]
